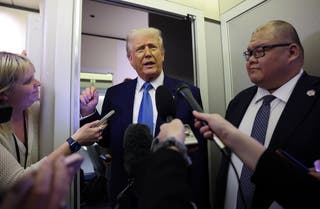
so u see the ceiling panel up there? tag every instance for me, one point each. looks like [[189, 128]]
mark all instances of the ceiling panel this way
[[29, 4], [109, 20]]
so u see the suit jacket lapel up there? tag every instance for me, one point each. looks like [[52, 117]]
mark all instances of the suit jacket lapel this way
[[239, 107], [128, 100], [299, 104], [170, 84]]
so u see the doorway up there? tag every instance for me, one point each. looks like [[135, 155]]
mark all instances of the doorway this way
[[104, 28]]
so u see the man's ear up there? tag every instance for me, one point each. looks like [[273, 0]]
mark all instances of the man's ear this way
[[294, 51], [129, 58]]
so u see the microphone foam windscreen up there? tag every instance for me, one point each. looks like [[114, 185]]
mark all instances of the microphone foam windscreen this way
[[136, 144]]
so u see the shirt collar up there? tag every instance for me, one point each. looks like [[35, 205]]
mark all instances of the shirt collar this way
[[155, 83], [283, 93]]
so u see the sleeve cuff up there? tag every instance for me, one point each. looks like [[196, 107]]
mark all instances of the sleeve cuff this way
[[87, 116]]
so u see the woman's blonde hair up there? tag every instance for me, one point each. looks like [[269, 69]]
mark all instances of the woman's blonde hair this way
[[12, 68]]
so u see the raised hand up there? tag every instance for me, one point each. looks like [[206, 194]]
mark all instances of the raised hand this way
[[88, 100]]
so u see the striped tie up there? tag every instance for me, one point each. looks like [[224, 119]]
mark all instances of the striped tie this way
[[258, 132]]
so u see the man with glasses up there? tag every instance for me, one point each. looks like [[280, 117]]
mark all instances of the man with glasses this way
[[274, 61]]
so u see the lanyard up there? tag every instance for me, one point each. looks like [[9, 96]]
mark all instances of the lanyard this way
[[25, 144]]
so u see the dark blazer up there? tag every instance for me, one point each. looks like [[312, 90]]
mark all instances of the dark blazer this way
[[121, 98], [295, 188], [297, 130]]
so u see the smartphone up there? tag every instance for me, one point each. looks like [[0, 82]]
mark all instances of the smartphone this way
[[105, 118], [291, 159]]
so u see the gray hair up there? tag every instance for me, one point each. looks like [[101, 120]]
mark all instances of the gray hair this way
[[143, 31]]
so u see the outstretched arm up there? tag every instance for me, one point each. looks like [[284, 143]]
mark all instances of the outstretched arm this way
[[244, 146]]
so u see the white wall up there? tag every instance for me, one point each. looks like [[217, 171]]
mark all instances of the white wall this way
[[34, 41], [210, 7], [103, 55], [216, 95], [98, 54], [18, 28], [225, 5], [13, 29], [241, 21]]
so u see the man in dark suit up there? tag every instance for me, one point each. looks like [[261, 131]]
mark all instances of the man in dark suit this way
[[274, 58], [145, 52], [297, 187]]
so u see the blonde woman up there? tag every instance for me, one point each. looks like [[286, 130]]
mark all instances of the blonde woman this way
[[20, 90]]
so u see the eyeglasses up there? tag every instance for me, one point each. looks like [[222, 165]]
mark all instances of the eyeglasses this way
[[259, 51]]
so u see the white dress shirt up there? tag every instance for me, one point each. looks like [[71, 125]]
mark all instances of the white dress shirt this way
[[138, 97]]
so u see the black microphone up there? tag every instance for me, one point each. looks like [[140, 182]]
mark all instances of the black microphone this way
[[165, 103], [167, 111], [186, 93], [136, 143]]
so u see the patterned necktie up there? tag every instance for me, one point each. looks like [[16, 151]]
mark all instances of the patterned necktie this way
[[258, 132], [146, 110]]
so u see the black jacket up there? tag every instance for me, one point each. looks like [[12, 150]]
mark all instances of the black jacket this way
[[291, 186], [297, 130]]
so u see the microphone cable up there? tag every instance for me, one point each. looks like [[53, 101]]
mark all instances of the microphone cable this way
[[183, 90]]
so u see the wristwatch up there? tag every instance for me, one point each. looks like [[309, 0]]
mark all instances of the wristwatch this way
[[73, 145]]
